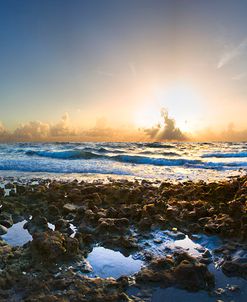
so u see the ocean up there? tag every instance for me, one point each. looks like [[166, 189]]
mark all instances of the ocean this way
[[175, 161]]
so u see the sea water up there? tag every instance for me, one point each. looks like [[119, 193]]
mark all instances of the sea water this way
[[178, 161]]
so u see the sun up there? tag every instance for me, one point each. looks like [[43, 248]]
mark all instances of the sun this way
[[182, 102]]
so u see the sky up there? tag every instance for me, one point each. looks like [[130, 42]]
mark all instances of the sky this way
[[123, 70]]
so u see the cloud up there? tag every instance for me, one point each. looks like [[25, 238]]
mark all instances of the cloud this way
[[32, 130], [37, 130], [167, 131], [62, 128], [230, 133], [63, 131], [233, 53], [3, 131]]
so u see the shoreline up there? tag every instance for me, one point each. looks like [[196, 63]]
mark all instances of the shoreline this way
[[26, 177], [178, 231]]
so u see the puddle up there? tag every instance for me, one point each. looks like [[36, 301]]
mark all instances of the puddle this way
[[174, 295], [51, 226], [7, 190], [108, 263], [167, 242], [74, 229], [223, 285], [16, 235]]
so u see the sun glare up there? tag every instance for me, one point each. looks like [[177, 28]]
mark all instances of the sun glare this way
[[181, 101], [147, 116]]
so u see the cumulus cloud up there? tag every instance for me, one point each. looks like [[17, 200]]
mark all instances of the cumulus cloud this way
[[37, 130], [232, 53], [167, 131], [62, 128], [2, 128], [3, 131], [32, 130]]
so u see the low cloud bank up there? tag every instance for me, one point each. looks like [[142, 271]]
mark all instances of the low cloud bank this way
[[3, 131], [229, 134], [64, 131], [166, 131], [36, 130]]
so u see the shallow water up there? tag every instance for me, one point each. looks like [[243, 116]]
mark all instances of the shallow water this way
[[162, 243], [165, 242], [223, 284], [17, 235], [109, 263]]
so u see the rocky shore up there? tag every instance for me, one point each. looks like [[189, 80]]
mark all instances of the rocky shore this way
[[66, 220]]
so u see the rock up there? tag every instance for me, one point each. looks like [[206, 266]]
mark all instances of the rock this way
[[233, 288], [20, 189], [6, 220], [63, 226], [84, 266], [9, 186], [113, 225], [69, 207], [181, 270], [237, 267], [53, 211], [193, 276], [52, 246], [175, 235], [145, 223], [3, 230], [36, 225]]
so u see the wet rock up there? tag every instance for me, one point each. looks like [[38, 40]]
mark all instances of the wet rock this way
[[20, 189], [84, 266], [36, 225], [103, 213], [237, 267], [193, 276], [112, 213], [125, 244], [95, 199], [176, 235], [145, 223], [2, 192], [3, 230], [85, 229], [113, 225], [9, 186], [181, 270], [69, 207], [53, 211], [52, 246], [6, 220], [63, 226]]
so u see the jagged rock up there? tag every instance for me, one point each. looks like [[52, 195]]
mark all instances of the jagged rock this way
[[52, 246]]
